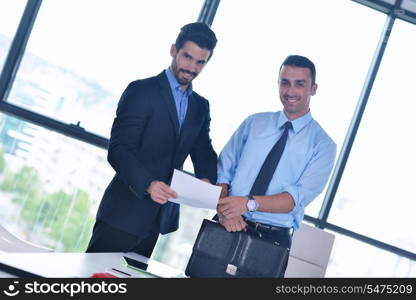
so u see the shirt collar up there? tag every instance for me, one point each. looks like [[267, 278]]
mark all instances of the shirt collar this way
[[297, 124], [174, 84]]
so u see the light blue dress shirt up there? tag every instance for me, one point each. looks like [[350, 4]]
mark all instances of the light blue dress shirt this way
[[179, 95], [303, 170]]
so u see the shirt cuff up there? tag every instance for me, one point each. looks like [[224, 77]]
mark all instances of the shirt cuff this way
[[223, 180], [294, 192]]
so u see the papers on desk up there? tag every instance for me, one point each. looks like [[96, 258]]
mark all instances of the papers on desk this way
[[194, 192]]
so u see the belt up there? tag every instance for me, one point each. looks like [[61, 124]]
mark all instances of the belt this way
[[268, 228]]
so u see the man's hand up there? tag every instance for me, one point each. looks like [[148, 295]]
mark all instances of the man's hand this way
[[160, 192], [233, 224], [206, 180], [233, 206], [224, 189]]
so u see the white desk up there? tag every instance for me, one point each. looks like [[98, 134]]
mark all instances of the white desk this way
[[78, 265]]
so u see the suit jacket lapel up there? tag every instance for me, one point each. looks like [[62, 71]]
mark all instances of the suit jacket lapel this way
[[167, 96]]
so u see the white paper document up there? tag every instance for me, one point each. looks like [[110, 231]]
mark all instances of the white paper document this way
[[193, 191]]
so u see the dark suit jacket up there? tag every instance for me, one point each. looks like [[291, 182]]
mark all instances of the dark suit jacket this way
[[146, 145]]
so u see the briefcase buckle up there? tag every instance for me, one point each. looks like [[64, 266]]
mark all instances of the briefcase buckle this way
[[231, 269]]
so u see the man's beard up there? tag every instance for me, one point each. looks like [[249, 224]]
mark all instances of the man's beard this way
[[185, 81]]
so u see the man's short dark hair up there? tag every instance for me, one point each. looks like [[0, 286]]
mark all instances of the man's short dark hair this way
[[301, 62], [200, 34]]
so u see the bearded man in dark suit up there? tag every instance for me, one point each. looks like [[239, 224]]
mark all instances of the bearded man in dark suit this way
[[159, 122]]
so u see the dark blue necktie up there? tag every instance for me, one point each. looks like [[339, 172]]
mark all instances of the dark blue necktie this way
[[270, 163]]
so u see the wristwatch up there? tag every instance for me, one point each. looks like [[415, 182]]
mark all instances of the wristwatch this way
[[252, 204]]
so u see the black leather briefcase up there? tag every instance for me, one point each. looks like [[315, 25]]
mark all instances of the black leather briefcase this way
[[219, 253]]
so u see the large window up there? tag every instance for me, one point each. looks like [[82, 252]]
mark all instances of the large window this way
[[254, 37], [10, 13], [352, 258], [82, 54], [50, 185], [375, 196]]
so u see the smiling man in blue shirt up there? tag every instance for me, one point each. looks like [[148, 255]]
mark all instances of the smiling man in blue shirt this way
[[301, 173]]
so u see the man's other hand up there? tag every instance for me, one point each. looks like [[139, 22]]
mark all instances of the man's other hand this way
[[233, 224], [160, 192]]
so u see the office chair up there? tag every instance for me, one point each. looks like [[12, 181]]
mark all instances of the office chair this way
[[310, 252]]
